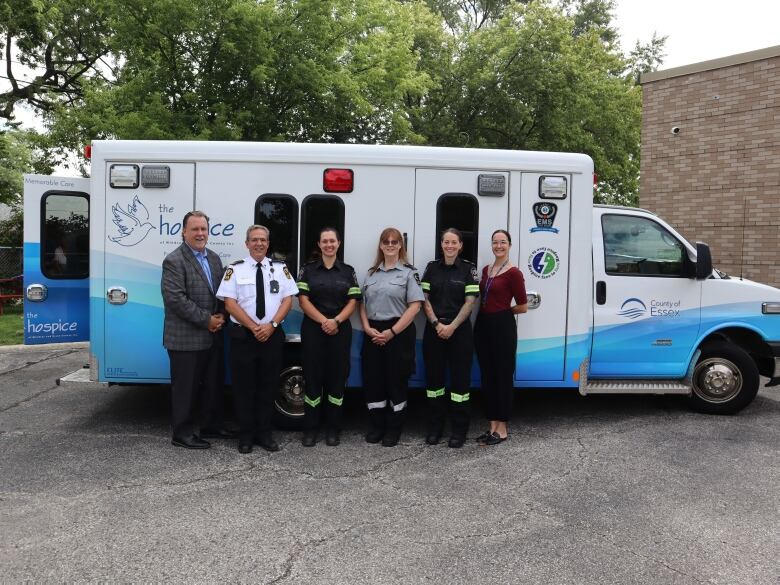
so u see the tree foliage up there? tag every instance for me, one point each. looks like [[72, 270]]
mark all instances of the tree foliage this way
[[517, 74]]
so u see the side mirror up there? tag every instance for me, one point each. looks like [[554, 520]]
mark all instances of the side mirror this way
[[703, 261]]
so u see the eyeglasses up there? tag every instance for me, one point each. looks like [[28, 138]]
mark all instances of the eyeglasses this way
[[390, 242]]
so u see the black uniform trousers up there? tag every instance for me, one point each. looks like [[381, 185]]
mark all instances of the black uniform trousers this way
[[386, 371], [326, 368], [255, 371], [495, 339], [196, 389], [453, 354]]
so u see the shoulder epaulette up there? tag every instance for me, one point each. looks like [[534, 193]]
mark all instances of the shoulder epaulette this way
[[237, 262], [410, 266], [467, 261]]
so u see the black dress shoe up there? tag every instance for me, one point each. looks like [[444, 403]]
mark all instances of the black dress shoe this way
[[494, 439], [216, 434], [483, 437], [333, 438], [191, 442], [374, 436], [456, 442], [267, 442], [244, 448], [433, 438], [391, 438], [309, 439]]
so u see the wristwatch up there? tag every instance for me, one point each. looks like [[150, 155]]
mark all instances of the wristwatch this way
[[274, 324], [336, 319], [435, 322]]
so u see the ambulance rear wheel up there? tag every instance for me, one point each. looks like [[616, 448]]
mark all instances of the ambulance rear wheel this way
[[288, 402], [725, 379]]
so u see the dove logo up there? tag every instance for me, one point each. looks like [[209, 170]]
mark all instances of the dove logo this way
[[132, 225]]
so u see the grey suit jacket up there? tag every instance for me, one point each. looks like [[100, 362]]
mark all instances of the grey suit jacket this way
[[188, 300]]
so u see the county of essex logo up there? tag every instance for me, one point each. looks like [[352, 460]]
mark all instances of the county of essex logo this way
[[543, 262]]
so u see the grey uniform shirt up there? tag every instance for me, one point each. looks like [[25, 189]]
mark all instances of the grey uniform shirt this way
[[239, 284], [388, 292]]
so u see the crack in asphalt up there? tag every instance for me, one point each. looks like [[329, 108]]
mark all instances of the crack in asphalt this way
[[28, 399], [45, 358]]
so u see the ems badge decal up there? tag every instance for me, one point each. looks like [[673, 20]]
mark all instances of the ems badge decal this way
[[544, 214], [543, 262]]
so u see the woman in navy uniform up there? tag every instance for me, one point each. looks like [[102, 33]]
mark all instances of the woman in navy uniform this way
[[451, 286], [391, 298], [495, 335], [328, 293]]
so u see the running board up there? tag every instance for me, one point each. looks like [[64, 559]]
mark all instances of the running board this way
[[675, 386]]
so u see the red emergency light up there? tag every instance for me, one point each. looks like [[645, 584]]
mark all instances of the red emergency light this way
[[338, 180]]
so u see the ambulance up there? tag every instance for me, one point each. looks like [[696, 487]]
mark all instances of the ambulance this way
[[620, 302]]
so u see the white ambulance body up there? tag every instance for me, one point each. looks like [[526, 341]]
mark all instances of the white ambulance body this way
[[619, 302]]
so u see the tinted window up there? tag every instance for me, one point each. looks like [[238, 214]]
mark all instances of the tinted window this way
[[65, 235], [640, 246], [460, 211], [279, 213], [319, 211]]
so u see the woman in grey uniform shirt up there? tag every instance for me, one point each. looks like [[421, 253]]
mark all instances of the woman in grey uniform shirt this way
[[391, 298]]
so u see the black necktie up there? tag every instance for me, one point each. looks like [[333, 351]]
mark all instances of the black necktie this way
[[259, 292]]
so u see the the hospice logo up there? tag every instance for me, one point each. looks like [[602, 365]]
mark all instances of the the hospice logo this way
[[543, 262], [633, 308], [544, 214], [132, 225]]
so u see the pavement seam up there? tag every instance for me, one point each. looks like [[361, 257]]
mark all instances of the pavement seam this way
[[28, 399]]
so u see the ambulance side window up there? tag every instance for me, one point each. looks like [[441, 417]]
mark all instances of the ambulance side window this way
[[460, 211], [317, 212], [65, 235], [279, 213], [638, 246]]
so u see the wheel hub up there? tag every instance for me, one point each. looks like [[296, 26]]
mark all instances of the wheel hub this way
[[717, 380]]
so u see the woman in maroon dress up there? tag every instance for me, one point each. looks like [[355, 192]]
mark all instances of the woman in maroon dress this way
[[495, 335]]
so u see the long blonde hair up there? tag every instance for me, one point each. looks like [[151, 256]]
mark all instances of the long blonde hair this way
[[389, 232]]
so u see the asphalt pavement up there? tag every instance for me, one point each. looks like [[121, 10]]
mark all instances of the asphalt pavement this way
[[601, 490]]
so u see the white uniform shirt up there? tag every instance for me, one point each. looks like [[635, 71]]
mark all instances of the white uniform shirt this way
[[239, 284]]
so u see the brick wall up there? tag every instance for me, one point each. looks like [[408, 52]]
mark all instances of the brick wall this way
[[718, 180]]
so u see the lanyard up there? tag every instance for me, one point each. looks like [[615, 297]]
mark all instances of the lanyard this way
[[490, 280]]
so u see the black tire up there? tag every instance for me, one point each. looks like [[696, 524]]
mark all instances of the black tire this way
[[288, 400], [725, 379]]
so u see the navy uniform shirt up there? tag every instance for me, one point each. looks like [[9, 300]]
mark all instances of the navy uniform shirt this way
[[448, 286], [239, 283], [388, 292], [328, 289]]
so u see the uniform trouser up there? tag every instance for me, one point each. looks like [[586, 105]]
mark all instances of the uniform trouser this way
[[255, 370], [386, 371], [196, 390], [495, 339], [440, 355], [326, 368]]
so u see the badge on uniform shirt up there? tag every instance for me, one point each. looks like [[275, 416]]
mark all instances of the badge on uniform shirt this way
[[228, 274], [417, 277], [474, 273], [287, 273]]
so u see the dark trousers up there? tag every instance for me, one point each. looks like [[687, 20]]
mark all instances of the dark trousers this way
[[386, 371], [255, 370], [326, 368], [440, 355], [495, 339], [196, 389]]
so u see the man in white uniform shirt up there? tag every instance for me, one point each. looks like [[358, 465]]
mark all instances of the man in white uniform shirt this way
[[258, 295]]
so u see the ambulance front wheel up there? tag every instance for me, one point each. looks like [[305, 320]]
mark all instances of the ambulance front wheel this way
[[725, 379], [288, 402]]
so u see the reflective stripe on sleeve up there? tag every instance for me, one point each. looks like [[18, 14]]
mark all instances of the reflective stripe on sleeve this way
[[435, 393], [471, 289], [373, 405], [459, 397], [426, 286], [334, 400], [399, 407], [303, 286], [313, 403], [354, 291]]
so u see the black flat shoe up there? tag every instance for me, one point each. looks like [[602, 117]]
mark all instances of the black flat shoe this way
[[309, 439], [483, 437], [374, 436], [191, 442], [494, 439], [333, 438], [391, 438], [267, 443], [456, 442], [433, 438], [244, 448]]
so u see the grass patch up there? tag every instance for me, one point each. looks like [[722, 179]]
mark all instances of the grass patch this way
[[11, 325]]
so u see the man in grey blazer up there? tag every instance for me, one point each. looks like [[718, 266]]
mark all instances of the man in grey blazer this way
[[192, 334]]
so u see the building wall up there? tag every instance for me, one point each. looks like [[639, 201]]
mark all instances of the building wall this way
[[718, 180]]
